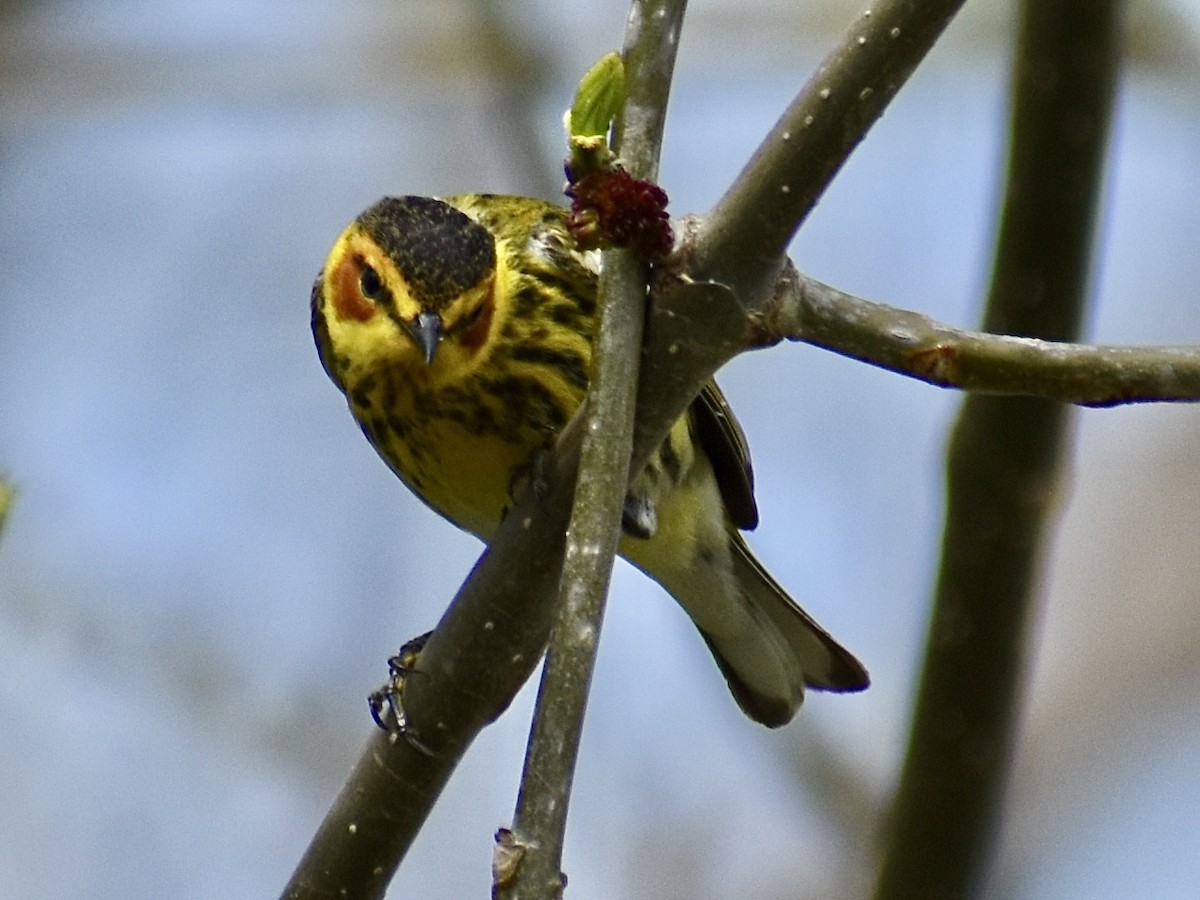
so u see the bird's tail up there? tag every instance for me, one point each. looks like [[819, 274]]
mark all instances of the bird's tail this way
[[779, 650], [767, 647]]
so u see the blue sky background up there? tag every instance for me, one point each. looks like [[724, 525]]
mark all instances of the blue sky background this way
[[207, 566]]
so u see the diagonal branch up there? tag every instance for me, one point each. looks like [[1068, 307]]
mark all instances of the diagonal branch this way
[[744, 238]]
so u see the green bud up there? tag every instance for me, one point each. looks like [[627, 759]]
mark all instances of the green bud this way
[[599, 98]]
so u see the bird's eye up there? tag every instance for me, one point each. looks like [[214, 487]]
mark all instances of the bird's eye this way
[[370, 283]]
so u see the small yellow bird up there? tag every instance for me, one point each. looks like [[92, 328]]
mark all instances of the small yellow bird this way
[[460, 331]]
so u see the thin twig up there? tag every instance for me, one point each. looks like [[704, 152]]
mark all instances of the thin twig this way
[[913, 344], [1005, 459], [540, 822]]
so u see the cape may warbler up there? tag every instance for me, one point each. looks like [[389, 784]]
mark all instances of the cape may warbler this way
[[460, 331]]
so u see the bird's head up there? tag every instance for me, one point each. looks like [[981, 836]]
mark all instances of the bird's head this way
[[411, 282]]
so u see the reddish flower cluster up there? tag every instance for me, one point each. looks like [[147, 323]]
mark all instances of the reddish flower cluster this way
[[611, 208]]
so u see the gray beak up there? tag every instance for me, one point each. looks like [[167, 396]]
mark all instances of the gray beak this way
[[426, 330]]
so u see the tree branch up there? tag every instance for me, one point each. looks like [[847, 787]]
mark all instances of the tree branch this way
[[744, 238], [1004, 461], [541, 815], [540, 822], [915, 345]]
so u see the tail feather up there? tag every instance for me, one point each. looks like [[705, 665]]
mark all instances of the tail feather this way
[[779, 651], [767, 709], [826, 664], [766, 646]]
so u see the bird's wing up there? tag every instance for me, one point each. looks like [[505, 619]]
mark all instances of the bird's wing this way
[[722, 439]]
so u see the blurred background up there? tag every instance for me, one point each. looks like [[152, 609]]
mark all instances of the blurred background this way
[[206, 566]]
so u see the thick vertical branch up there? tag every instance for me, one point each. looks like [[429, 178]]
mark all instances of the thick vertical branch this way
[[1004, 461]]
